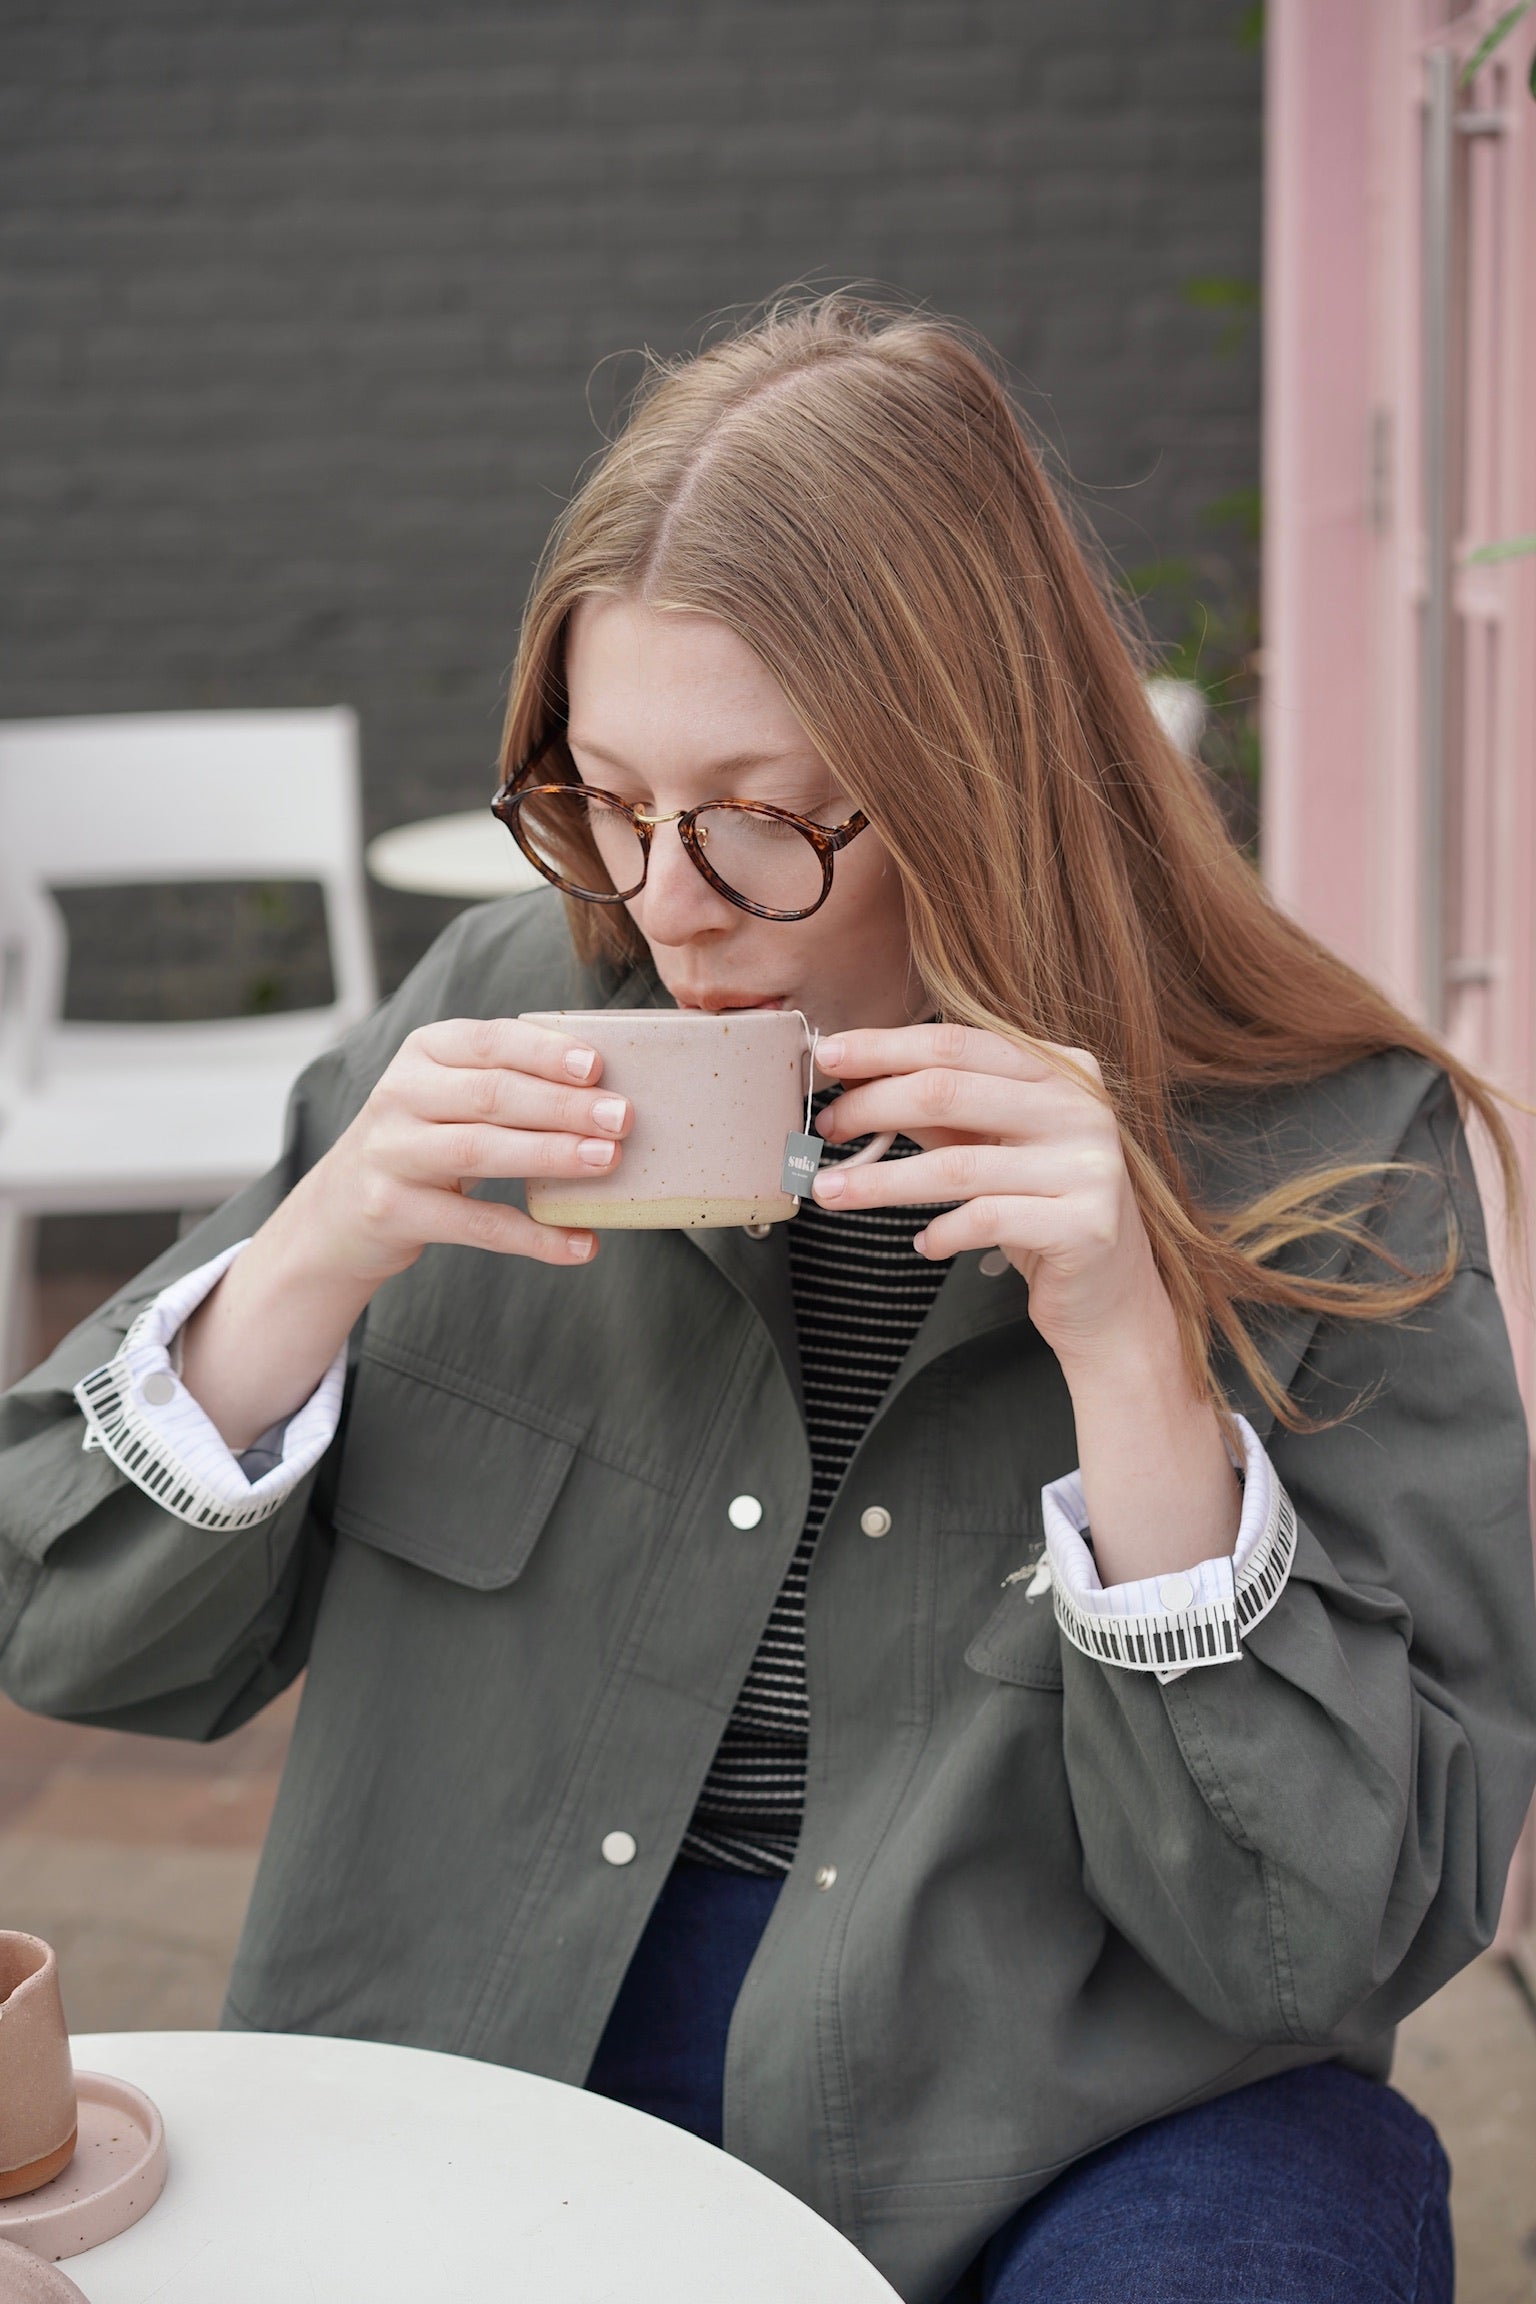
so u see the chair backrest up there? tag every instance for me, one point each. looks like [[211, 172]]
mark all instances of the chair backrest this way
[[149, 797]]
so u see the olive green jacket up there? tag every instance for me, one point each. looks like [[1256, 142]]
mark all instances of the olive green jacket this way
[[1066, 1898]]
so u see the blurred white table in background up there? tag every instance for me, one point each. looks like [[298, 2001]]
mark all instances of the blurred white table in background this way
[[1182, 708], [471, 855], [365, 2174]]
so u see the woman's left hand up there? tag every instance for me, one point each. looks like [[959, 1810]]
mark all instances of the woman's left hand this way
[[1031, 1154], [1034, 1159]]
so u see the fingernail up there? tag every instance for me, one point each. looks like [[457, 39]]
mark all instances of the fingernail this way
[[579, 1246], [830, 1187], [921, 1243], [595, 1152], [829, 1055], [579, 1062], [823, 1123], [609, 1113]]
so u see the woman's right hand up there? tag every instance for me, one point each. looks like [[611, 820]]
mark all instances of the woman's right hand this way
[[465, 1100]]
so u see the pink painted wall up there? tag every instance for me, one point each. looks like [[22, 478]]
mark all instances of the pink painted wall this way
[[1349, 535], [1318, 548]]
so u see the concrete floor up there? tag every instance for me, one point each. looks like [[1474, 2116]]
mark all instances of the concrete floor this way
[[134, 1857], [1468, 2060]]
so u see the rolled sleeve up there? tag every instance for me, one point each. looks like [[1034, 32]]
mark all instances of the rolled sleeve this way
[[1168, 1625], [139, 1412]]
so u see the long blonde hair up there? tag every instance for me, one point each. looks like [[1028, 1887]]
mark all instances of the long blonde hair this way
[[851, 490]]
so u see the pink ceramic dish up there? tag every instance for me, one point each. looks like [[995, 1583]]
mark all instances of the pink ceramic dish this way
[[116, 2175]]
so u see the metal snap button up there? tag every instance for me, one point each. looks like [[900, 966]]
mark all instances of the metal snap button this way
[[743, 1511], [158, 1390], [618, 1848], [1176, 1591], [875, 1521], [825, 1875], [995, 1263], [757, 1231]]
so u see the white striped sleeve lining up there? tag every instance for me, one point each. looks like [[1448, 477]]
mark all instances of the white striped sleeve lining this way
[[1167, 1625], [137, 1409]]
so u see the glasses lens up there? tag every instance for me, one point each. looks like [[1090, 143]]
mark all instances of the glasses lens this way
[[580, 841], [762, 857]]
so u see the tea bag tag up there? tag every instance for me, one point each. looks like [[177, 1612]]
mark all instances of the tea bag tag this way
[[802, 1153], [802, 1158]]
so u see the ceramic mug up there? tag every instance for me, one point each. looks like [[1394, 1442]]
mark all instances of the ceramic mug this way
[[716, 1100], [26, 2279], [37, 2077]]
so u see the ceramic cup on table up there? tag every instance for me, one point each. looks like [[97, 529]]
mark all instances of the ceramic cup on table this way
[[27, 2279], [717, 1100], [37, 2077]]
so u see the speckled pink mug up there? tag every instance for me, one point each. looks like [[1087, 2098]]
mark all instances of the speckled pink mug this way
[[37, 2077], [716, 1100]]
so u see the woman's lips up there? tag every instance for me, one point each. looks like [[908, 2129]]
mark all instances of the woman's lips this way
[[728, 1003]]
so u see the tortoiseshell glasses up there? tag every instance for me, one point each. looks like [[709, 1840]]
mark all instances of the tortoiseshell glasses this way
[[595, 846]]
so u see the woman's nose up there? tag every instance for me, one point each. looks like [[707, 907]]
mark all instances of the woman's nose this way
[[677, 901]]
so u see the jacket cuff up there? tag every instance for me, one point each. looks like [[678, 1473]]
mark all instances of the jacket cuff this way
[[138, 1411], [1168, 1625]]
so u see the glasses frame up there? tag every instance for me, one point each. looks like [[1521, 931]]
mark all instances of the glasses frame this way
[[826, 839]]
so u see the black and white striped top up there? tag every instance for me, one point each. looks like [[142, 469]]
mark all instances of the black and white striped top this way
[[860, 1294]]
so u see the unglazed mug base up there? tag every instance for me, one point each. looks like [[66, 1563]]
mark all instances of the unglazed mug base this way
[[14, 2182], [551, 1202]]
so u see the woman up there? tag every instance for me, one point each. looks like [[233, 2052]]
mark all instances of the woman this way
[[1001, 1734]]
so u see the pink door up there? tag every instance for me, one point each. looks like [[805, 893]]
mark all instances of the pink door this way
[[1399, 807]]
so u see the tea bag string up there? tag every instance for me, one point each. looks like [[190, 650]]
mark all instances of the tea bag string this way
[[802, 1154], [813, 1035]]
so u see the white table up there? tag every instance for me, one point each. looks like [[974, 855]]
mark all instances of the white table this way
[[470, 855], [344, 2172]]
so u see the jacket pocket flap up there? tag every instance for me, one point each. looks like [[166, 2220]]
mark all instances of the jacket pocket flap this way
[[443, 1481], [1020, 1641]]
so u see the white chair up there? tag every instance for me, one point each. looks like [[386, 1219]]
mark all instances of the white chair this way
[[167, 1116]]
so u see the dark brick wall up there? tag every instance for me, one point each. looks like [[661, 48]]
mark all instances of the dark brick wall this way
[[299, 304]]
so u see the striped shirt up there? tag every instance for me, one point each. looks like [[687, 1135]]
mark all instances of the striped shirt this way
[[860, 1295]]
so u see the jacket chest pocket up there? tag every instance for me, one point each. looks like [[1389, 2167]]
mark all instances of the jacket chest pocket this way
[[1020, 1641], [450, 1483]]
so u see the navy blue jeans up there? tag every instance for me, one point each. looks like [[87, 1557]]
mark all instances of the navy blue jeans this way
[[1315, 2187]]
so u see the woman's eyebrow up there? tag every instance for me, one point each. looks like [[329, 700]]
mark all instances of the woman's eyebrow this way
[[733, 763]]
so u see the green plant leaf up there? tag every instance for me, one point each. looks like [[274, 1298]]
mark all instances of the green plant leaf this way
[[1243, 509], [1507, 548], [1237, 299], [1218, 292], [1159, 577], [1493, 38], [263, 994]]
